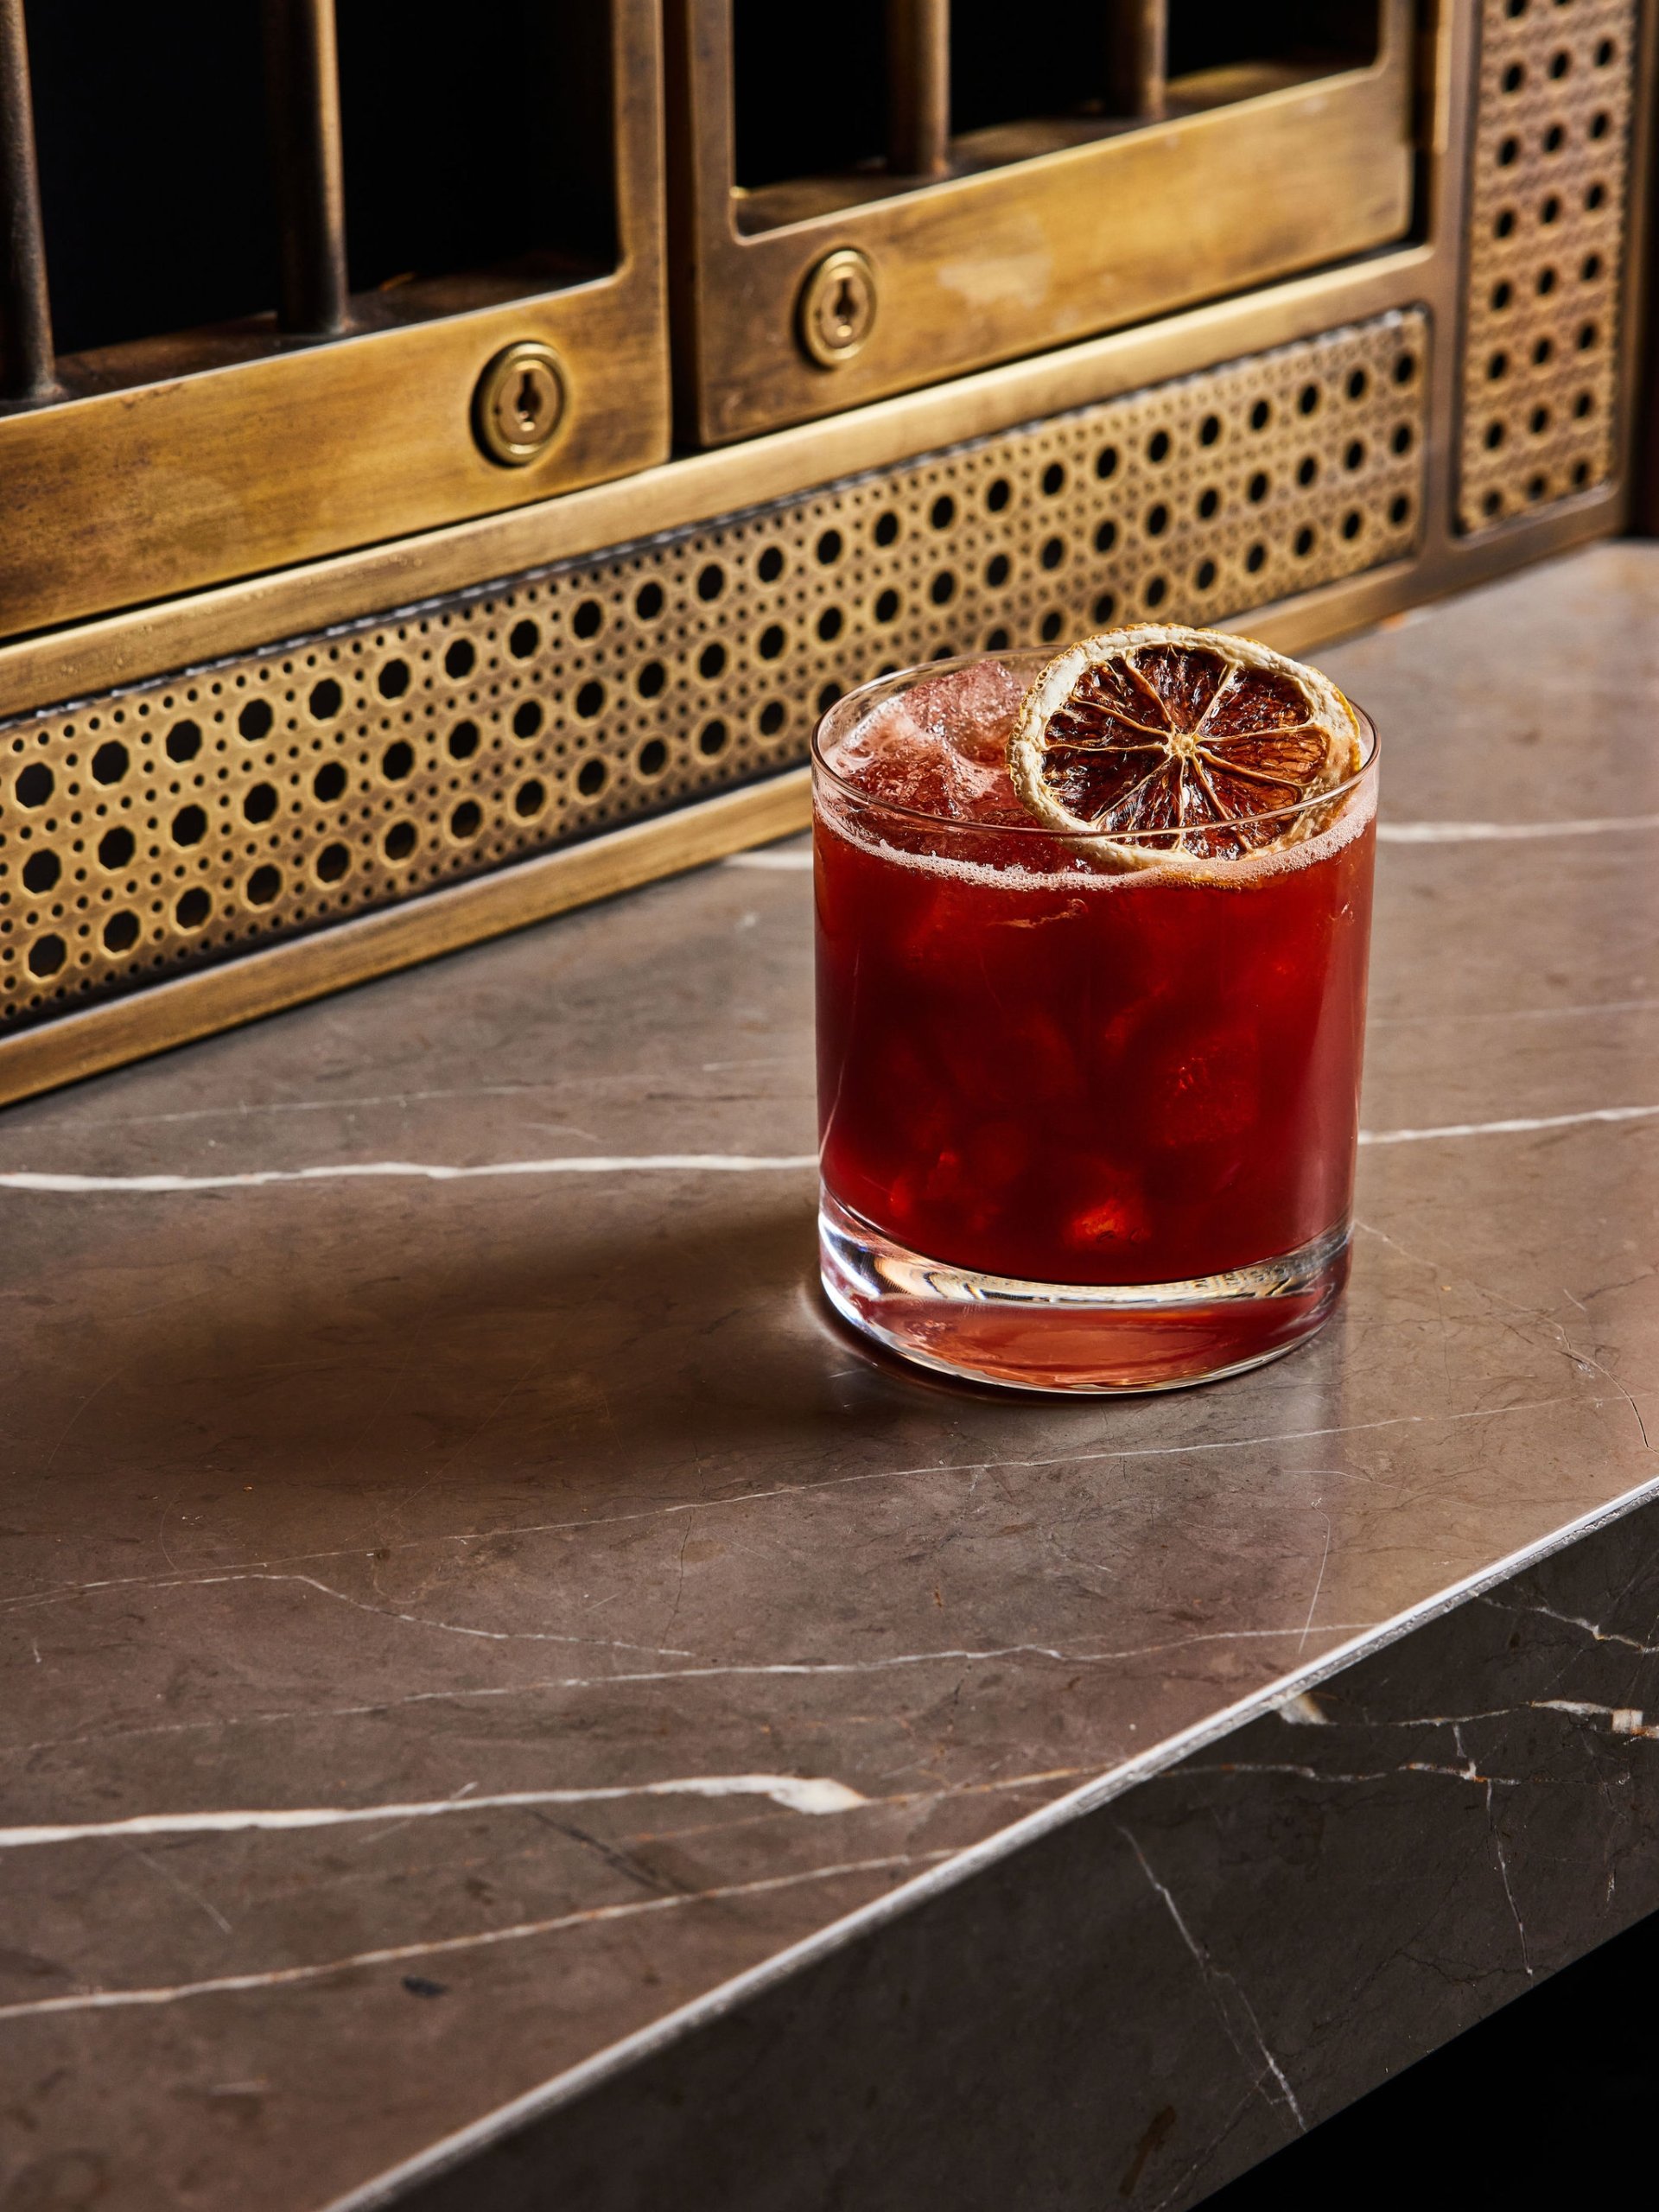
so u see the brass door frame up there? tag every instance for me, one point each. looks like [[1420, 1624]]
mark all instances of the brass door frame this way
[[255, 444], [993, 263]]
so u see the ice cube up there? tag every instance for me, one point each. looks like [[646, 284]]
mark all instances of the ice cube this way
[[1206, 1091], [1114, 1217], [971, 709], [890, 755], [941, 747]]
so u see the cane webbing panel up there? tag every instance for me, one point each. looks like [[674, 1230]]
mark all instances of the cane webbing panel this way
[[1551, 176], [184, 820]]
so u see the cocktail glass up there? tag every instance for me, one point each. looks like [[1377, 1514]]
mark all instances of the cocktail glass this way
[[1081, 1127]]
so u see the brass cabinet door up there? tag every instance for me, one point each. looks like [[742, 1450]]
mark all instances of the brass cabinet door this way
[[160, 463], [801, 296]]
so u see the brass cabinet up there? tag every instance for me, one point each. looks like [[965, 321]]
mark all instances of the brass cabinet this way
[[301, 680]]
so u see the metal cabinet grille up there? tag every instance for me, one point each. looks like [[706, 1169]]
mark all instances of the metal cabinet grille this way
[[1550, 191], [178, 822]]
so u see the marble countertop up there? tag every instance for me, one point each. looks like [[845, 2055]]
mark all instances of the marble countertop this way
[[469, 1614]]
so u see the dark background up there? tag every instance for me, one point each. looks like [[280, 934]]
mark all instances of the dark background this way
[[1546, 2103]]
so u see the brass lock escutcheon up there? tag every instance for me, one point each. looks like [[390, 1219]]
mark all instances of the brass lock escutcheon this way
[[519, 403], [837, 308]]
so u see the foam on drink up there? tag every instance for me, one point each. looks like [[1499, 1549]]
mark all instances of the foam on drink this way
[[939, 748]]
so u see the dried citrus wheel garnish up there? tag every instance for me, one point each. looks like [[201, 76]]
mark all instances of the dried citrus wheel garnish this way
[[1174, 744]]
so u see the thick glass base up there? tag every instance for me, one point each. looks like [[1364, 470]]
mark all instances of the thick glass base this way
[[1063, 1336]]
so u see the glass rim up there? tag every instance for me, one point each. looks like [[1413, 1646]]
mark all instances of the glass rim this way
[[852, 705]]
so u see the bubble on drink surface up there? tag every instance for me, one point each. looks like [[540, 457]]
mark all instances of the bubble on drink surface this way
[[941, 747]]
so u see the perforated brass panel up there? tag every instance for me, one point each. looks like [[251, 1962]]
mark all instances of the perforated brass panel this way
[[1548, 209], [182, 821]]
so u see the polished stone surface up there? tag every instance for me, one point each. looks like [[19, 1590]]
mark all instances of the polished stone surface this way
[[454, 1622], [1155, 1995]]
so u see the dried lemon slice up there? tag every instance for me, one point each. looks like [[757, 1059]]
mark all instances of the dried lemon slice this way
[[1171, 744]]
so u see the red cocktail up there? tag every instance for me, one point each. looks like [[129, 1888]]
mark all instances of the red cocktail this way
[[1083, 1125]]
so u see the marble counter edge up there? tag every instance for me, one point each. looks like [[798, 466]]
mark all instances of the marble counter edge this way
[[453, 2150]]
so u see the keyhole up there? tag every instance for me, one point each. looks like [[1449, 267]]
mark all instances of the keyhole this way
[[838, 306], [518, 404]]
